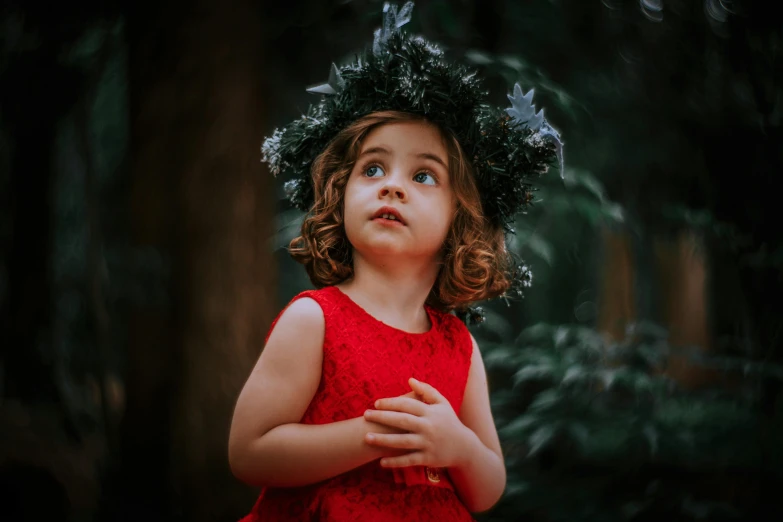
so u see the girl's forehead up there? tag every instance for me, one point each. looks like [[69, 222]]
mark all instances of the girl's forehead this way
[[416, 136]]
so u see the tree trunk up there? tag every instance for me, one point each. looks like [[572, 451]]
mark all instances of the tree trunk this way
[[617, 302], [683, 276], [201, 197]]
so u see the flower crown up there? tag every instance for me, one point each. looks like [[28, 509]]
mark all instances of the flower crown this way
[[409, 74]]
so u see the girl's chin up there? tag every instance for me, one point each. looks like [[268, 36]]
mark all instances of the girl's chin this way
[[376, 245], [390, 250]]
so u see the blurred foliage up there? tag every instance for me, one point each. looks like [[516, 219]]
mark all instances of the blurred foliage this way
[[99, 276], [595, 430]]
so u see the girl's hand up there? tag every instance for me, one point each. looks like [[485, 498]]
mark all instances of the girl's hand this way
[[435, 436], [376, 427]]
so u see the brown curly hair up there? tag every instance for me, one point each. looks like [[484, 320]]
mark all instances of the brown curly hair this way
[[475, 260]]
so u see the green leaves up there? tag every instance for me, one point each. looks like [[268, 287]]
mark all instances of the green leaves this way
[[537, 245], [567, 398], [546, 401], [540, 438], [519, 426], [534, 372]]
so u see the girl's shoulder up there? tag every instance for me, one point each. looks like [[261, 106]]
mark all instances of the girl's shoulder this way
[[307, 308], [329, 299], [322, 296]]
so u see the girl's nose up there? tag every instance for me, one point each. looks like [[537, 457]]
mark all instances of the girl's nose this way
[[393, 189]]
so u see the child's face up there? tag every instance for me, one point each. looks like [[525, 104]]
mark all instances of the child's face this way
[[403, 166]]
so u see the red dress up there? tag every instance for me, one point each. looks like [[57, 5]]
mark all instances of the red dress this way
[[364, 360]]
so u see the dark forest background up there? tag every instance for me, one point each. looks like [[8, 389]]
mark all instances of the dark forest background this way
[[142, 249]]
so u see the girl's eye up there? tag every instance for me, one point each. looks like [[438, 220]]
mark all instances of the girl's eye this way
[[425, 178], [373, 171]]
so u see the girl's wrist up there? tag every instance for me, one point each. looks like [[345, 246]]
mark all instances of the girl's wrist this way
[[469, 446], [373, 427]]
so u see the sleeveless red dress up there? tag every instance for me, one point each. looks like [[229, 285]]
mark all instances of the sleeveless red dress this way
[[365, 359]]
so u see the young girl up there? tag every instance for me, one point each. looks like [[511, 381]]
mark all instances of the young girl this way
[[370, 400]]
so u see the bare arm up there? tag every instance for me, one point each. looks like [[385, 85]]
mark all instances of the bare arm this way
[[267, 445], [481, 478]]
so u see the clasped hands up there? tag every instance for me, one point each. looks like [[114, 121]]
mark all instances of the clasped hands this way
[[431, 431]]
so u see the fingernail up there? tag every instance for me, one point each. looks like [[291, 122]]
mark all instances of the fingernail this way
[[377, 403], [366, 413]]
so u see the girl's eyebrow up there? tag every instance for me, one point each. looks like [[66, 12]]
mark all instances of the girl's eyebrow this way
[[375, 150], [425, 155], [433, 157]]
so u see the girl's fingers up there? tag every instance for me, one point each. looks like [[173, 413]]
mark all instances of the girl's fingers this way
[[428, 392], [395, 419], [415, 458], [402, 441], [402, 404]]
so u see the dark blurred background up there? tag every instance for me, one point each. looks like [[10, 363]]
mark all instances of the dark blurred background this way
[[142, 249]]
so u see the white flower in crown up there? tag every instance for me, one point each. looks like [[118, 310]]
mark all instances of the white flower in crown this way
[[392, 21], [333, 86], [522, 109], [270, 152]]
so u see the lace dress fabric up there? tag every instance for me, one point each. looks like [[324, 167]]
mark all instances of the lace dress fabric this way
[[365, 359]]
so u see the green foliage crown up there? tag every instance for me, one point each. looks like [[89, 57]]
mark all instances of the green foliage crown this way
[[407, 73]]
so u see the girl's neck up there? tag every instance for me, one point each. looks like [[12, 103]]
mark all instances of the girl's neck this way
[[392, 293]]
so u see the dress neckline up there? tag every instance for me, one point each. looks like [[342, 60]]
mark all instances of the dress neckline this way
[[430, 314]]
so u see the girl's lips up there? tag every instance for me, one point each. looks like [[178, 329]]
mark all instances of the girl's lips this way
[[388, 210], [388, 222]]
